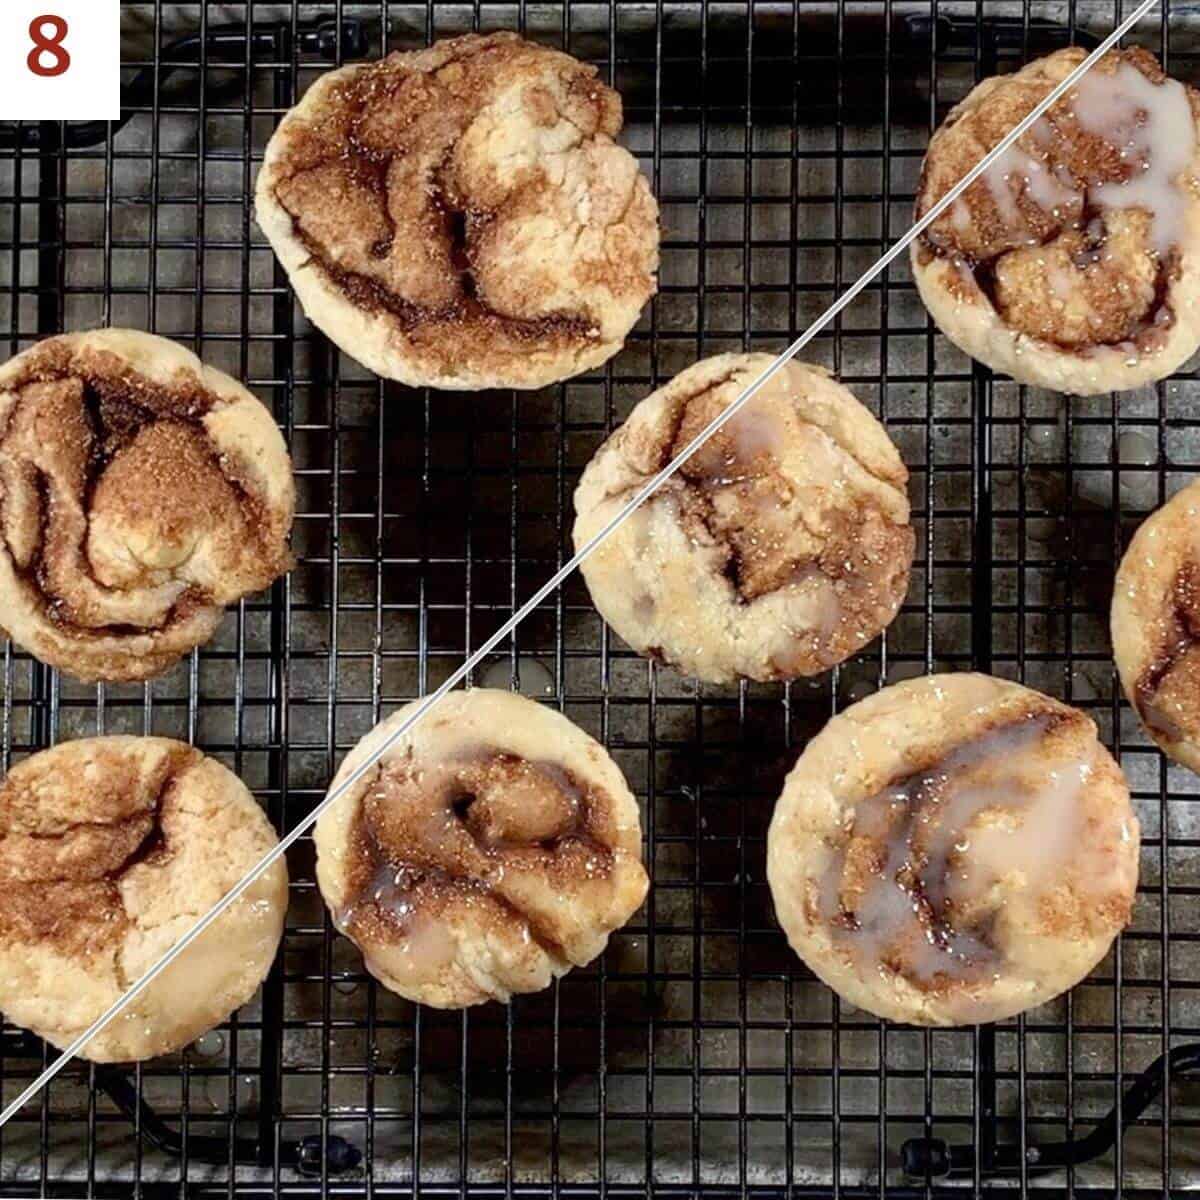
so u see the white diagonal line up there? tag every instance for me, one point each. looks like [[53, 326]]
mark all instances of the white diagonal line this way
[[643, 494]]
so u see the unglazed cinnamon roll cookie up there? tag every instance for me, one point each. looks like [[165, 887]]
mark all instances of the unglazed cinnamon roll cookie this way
[[779, 549], [111, 849], [490, 850], [1156, 625], [1073, 263], [140, 493], [460, 217], [953, 850]]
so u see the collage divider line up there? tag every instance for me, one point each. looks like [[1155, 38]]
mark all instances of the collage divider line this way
[[643, 494]]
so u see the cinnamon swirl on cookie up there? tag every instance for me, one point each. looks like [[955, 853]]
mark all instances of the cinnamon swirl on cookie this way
[[1156, 625], [1073, 263], [460, 217], [140, 493], [111, 849], [779, 549], [953, 850], [492, 848]]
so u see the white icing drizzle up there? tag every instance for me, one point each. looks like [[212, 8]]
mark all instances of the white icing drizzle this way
[[750, 442], [1016, 170], [935, 858], [1062, 284], [423, 947], [814, 607], [756, 429], [1153, 126], [998, 176], [1047, 187]]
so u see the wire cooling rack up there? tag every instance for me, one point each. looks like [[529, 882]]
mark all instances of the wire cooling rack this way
[[784, 142]]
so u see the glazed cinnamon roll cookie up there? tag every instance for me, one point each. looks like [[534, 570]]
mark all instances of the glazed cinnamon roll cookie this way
[[953, 850], [1073, 263], [491, 849], [140, 493], [111, 849], [1156, 625], [779, 549], [460, 217]]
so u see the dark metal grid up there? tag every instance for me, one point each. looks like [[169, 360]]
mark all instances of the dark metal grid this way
[[699, 1053]]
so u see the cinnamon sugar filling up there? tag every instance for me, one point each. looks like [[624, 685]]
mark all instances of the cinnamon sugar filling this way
[[1073, 234]]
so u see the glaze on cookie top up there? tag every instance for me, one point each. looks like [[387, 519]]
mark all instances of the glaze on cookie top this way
[[461, 216], [1156, 625], [956, 864], [140, 494], [438, 838], [910, 890], [778, 549], [467, 867], [1072, 262], [112, 848]]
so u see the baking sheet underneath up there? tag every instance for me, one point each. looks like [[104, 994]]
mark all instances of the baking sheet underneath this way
[[699, 1045]]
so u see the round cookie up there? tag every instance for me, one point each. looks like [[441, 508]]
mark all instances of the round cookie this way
[[779, 549], [1073, 262], [1156, 625], [111, 849], [140, 493], [460, 217], [953, 850], [491, 849]]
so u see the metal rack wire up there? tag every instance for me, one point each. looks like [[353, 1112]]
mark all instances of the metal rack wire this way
[[783, 140]]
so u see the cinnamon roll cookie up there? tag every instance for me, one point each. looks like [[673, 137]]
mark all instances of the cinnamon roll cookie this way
[[111, 849], [779, 549], [1073, 263], [460, 217], [491, 849], [953, 850], [1156, 625], [140, 493]]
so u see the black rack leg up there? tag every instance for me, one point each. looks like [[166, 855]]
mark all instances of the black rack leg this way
[[306, 1155], [932, 1157]]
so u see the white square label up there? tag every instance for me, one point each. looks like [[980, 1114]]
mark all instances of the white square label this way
[[60, 60]]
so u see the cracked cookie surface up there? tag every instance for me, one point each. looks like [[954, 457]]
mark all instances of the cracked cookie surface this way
[[141, 492], [779, 549], [492, 848], [954, 849], [111, 849], [460, 217], [1073, 262]]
